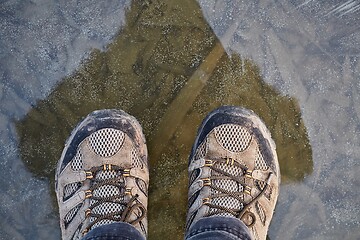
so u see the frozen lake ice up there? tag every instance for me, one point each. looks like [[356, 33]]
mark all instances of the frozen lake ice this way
[[296, 64]]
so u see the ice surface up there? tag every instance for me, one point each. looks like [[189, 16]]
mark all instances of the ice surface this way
[[307, 50]]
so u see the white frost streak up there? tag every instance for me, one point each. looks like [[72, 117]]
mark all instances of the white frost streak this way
[[348, 7]]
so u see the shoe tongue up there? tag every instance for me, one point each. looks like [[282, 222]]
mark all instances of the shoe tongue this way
[[109, 207], [105, 191], [229, 185]]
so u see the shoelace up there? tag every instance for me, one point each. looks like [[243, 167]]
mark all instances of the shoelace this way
[[118, 182], [238, 213]]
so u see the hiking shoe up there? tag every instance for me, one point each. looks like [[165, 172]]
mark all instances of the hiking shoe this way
[[233, 170], [102, 176]]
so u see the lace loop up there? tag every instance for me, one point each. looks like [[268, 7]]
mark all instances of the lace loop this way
[[130, 207]]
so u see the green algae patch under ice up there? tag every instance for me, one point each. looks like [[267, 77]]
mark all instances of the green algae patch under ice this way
[[167, 69]]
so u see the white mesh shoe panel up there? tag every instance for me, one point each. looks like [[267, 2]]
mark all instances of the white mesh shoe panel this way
[[233, 137], [261, 212], [77, 162], [260, 163], [229, 185], [106, 142], [103, 192], [232, 169], [135, 160], [200, 151], [70, 189], [71, 214]]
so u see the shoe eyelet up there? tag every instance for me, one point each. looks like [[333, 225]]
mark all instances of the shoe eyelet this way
[[248, 174], [247, 190], [206, 181], [126, 173], [87, 212], [88, 194], [229, 160], [206, 201], [128, 191], [89, 175], [107, 167], [85, 231], [208, 163]]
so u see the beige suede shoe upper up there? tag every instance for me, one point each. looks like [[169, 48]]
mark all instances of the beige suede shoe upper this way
[[102, 176], [234, 171]]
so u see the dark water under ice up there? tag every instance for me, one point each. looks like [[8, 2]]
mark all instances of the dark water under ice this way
[[169, 63]]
